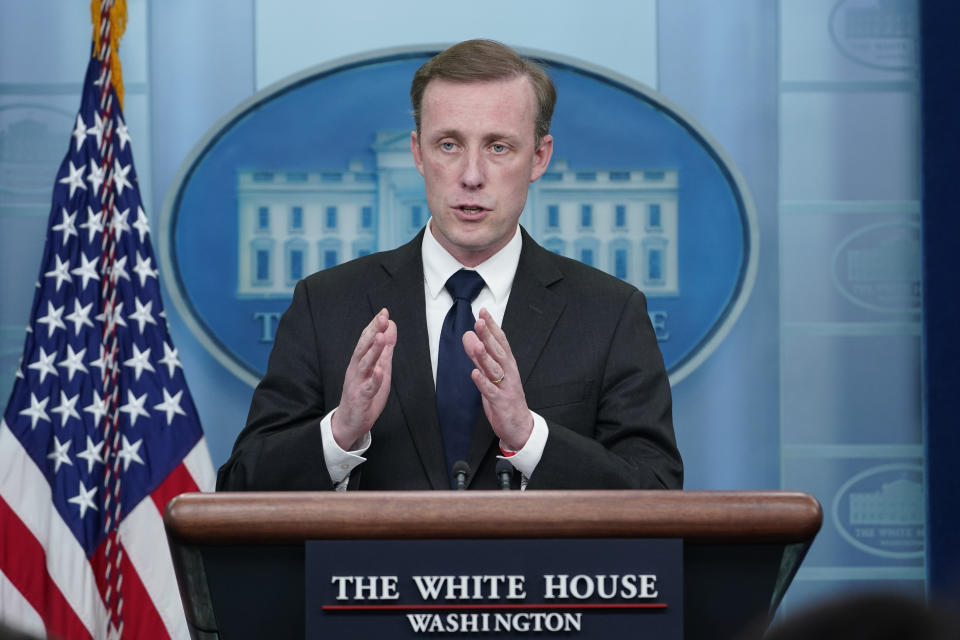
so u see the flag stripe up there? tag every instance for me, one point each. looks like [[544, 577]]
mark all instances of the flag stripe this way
[[150, 592], [26, 492], [16, 612], [179, 481], [140, 617], [23, 561], [200, 468], [150, 556]]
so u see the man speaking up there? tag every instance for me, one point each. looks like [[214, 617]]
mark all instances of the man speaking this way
[[408, 368]]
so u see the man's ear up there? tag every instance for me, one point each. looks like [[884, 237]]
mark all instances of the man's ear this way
[[415, 150], [541, 157]]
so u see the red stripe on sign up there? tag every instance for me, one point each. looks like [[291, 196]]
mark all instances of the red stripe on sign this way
[[491, 606], [179, 481], [24, 562]]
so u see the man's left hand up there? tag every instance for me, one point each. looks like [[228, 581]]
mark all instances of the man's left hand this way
[[498, 380]]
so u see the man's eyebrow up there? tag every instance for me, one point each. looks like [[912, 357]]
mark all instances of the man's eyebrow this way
[[490, 137], [446, 133], [501, 136]]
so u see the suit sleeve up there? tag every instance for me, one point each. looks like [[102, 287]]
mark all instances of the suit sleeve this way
[[631, 443], [281, 448]]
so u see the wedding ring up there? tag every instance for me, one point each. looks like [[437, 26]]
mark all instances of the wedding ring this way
[[500, 379]]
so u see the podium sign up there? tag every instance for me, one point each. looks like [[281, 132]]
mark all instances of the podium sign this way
[[592, 589], [242, 567]]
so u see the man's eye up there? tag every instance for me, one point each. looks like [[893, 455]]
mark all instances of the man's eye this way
[[498, 148], [447, 146]]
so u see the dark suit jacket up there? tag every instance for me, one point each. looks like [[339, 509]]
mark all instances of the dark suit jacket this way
[[582, 340]]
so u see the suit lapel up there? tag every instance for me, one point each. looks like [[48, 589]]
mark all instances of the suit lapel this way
[[533, 309], [532, 312], [402, 294]]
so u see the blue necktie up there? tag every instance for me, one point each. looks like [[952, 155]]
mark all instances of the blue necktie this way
[[458, 400]]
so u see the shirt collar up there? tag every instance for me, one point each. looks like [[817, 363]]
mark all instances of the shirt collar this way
[[497, 271]]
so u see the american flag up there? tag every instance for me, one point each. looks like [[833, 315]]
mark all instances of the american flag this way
[[100, 431]]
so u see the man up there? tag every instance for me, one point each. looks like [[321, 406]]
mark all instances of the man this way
[[571, 390]]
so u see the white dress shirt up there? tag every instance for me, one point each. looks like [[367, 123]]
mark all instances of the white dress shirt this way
[[497, 272]]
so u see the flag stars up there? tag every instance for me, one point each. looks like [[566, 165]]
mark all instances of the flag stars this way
[[171, 405], [97, 128], [122, 133], [112, 316], [142, 225], [61, 271], [118, 270], [97, 415], [66, 408], [130, 453], [53, 319], [170, 359], [87, 270], [66, 225], [36, 411], [143, 269], [93, 225], [143, 316], [44, 364], [139, 362], [80, 132], [119, 224], [98, 408], [120, 180], [80, 317], [84, 499], [96, 175], [59, 454], [134, 407], [75, 179], [73, 362], [92, 454], [101, 362]]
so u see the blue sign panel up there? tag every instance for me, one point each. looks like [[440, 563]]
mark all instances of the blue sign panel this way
[[317, 171], [589, 589]]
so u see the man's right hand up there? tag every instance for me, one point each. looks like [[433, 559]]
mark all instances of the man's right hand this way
[[366, 384]]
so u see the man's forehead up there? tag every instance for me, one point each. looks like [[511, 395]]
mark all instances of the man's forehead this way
[[503, 94]]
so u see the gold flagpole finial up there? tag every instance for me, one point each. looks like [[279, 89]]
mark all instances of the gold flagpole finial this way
[[109, 19]]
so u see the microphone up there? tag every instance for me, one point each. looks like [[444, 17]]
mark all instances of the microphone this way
[[504, 473], [461, 473]]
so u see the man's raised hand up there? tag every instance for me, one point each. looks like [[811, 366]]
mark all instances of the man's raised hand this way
[[498, 380], [366, 384]]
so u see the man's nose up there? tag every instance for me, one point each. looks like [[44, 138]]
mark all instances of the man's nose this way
[[473, 176]]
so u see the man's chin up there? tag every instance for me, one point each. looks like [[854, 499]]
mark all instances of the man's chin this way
[[470, 250]]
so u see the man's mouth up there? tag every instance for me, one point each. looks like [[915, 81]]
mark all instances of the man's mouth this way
[[471, 210]]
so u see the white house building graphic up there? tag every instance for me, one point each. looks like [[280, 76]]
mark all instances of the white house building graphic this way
[[292, 223]]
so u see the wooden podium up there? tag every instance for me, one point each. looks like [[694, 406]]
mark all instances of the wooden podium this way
[[239, 556]]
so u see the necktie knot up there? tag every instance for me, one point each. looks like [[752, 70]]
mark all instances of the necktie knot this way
[[465, 285]]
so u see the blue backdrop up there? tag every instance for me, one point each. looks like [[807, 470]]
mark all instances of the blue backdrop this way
[[815, 103]]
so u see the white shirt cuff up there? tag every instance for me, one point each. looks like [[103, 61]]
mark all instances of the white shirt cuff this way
[[341, 463], [526, 460]]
